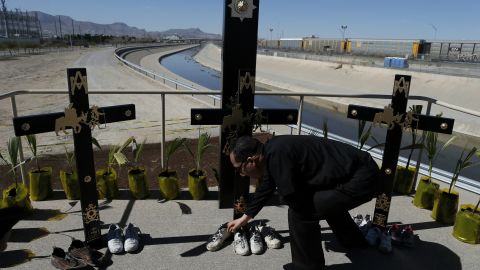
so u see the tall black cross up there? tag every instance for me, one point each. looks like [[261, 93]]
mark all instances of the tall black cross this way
[[237, 114], [395, 116], [81, 118]]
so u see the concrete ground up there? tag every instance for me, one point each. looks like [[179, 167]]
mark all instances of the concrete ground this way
[[174, 234]]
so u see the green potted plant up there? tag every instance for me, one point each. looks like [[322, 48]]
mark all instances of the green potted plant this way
[[107, 182], [197, 178], [167, 179], [467, 224], [137, 178], [40, 178], [15, 202], [69, 177], [446, 202], [426, 188], [404, 177], [17, 193]]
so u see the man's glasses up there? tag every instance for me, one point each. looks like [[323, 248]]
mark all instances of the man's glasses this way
[[239, 169]]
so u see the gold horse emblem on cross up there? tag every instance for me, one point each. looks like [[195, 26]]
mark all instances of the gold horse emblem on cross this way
[[70, 120]]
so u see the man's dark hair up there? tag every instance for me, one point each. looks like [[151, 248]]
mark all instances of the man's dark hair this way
[[244, 147]]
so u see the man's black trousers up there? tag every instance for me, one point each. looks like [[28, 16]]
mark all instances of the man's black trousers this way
[[305, 235]]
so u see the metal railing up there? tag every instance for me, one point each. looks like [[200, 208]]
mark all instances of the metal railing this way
[[466, 183], [463, 182]]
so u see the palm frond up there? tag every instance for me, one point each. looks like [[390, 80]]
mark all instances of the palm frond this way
[[171, 148], [463, 164], [32, 143], [95, 142], [69, 158], [13, 144], [137, 153], [202, 146], [325, 129], [4, 160], [126, 144], [364, 136]]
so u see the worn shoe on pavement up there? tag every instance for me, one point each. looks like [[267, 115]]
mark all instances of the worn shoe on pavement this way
[[365, 225], [385, 245], [358, 219], [373, 236], [240, 243], [131, 238], [215, 241], [80, 251], [395, 232], [62, 260], [407, 236], [256, 242], [270, 236], [115, 239]]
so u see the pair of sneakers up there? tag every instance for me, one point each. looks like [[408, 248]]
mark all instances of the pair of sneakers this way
[[381, 239], [215, 242], [269, 235], [255, 239], [402, 236], [79, 256], [241, 241], [120, 240]]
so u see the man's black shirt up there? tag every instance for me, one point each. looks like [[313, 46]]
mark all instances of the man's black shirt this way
[[299, 165]]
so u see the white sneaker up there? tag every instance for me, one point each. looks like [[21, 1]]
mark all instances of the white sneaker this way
[[215, 241], [240, 243], [358, 219], [385, 243], [373, 236], [256, 243], [115, 239], [270, 236], [131, 238], [365, 225]]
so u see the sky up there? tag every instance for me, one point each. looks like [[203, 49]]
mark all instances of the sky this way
[[400, 19]]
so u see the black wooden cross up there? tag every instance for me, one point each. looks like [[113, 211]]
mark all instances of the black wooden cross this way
[[395, 116], [81, 118], [236, 115]]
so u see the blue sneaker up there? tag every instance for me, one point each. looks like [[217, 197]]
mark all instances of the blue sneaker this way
[[373, 236]]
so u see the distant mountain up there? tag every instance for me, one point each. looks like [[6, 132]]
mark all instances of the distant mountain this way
[[51, 26]]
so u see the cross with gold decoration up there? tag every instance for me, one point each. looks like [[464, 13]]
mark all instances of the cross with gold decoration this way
[[395, 117], [237, 114], [79, 117]]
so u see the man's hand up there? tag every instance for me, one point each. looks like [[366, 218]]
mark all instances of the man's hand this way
[[234, 225]]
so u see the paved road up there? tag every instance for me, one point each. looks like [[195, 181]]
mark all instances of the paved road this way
[[105, 72]]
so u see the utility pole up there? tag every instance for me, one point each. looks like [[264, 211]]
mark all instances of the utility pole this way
[[39, 26], [4, 11], [344, 28], [27, 23], [435, 31], [55, 23], [60, 26]]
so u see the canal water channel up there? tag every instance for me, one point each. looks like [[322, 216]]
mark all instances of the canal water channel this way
[[183, 64]]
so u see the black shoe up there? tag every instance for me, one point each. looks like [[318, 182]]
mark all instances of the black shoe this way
[[81, 252], [62, 260]]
